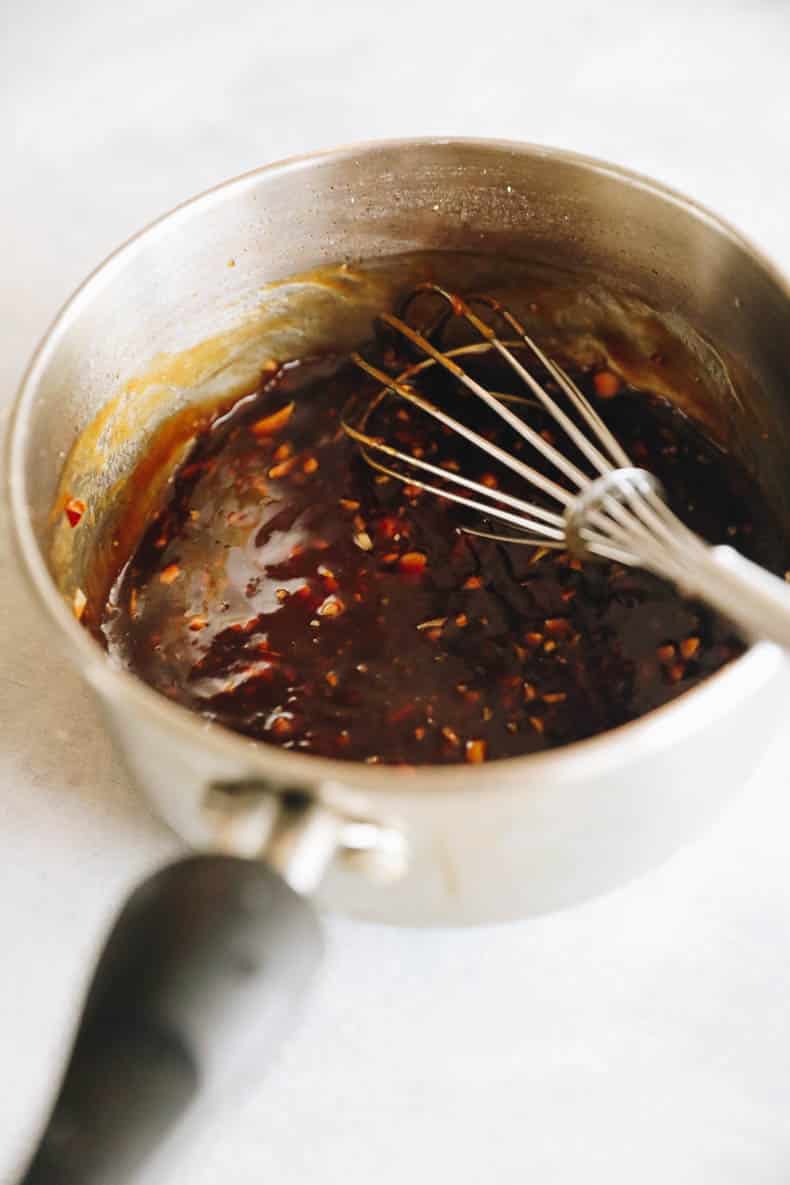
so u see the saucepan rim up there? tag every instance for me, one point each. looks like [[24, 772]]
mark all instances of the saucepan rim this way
[[588, 758]]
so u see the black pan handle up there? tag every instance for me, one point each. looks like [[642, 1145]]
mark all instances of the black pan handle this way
[[198, 980]]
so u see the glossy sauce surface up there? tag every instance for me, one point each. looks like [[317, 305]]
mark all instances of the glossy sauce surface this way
[[290, 593]]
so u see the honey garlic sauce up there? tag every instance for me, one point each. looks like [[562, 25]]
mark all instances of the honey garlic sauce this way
[[294, 595]]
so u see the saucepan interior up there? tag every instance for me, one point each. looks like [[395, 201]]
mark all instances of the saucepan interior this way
[[291, 258], [187, 314]]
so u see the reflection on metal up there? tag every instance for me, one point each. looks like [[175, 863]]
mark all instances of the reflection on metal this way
[[300, 836]]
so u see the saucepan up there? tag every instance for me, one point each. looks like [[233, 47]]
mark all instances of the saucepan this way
[[208, 958]]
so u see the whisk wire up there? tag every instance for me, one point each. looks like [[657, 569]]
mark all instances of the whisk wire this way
[[617, 514], [515, 464], [551, 454], [551, 523], [543, 534], [582, 442], [562, 378]]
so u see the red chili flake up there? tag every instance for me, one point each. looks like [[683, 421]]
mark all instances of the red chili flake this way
[[401, 713], [349, 504], [283, 451], [533, 638], [198, 622], [419, 733], [169, 574], [451, 735], [568, 594], [689, 647], [475, 752], [537, 724], [554, 697], [434, 623], [489, 481], [78, 603], [473, 582], [389, 527], [331, 678], [310, 465], [74, 510], [282, 469], [665, 653], [550, 646], [529, 692], [606, 384], [331, 607], [282, 726], [272, 424], [411, 491], [331, 583], [461, 620], [558, 627], [412, 561], [676, 672]]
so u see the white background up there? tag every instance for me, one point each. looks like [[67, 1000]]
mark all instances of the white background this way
[[642, 1038]]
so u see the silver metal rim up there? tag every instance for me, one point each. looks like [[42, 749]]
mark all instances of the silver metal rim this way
[[591, 757]]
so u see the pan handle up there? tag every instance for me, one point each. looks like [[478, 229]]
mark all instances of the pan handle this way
[[199, 978]]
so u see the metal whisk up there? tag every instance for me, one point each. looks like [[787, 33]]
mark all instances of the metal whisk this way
[[602, 507]]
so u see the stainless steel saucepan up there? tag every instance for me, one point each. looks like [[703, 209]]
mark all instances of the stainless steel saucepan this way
[[186, 313]]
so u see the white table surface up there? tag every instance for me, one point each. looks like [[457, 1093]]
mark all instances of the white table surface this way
[[641, 1038]]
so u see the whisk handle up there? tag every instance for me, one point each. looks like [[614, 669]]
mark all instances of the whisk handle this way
[[197, 984], [755, 600]]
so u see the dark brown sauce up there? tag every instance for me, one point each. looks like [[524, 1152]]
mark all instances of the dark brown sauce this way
[[289, 594]]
